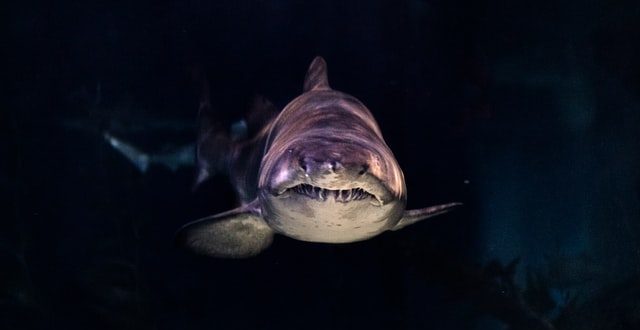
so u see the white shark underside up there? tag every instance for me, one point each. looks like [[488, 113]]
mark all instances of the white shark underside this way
[[319, 171]]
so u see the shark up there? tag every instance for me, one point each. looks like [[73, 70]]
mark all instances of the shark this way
[[173, 159], [317, 171]]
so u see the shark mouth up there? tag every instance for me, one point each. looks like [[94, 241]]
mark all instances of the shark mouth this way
[[342, 195]]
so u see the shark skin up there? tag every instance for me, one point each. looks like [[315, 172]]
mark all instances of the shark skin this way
[[318, 171]]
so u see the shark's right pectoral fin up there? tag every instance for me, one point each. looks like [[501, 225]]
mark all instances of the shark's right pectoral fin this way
[[239, 233]]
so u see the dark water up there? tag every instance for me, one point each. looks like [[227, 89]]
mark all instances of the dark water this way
[[528, 112]]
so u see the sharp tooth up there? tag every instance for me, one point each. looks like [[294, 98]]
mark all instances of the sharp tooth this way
[[322, 194], [349, 193]]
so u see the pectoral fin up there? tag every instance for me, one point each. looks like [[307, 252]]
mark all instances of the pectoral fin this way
[[412, 216], [239, 233]]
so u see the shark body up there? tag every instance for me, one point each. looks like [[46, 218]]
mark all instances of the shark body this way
[[318, 171]]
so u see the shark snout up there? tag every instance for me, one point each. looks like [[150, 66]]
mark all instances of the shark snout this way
[[334, 165]]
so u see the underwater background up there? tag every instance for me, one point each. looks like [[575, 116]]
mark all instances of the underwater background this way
[[528, 112]]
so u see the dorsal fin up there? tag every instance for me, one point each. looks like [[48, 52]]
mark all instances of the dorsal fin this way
[[316, 78]]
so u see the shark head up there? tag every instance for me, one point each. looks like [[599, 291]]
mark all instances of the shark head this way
[[331, 188], [327, 174]]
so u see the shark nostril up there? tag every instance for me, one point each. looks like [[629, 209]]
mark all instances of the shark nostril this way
[[363, 169], [303, 165], [334, 165]]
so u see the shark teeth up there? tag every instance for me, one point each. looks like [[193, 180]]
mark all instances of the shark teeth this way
[[341, 195]]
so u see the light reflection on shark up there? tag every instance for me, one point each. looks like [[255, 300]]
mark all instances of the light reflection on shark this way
[[319, 171]]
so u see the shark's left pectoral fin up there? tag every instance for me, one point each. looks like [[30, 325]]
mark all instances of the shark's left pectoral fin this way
[[239, 233], [412, 216]]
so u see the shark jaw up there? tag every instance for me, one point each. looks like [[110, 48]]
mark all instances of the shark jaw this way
[[334, 188], [370, 190], [312, 213], [338, 195], [331, 210], [345, 195]]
